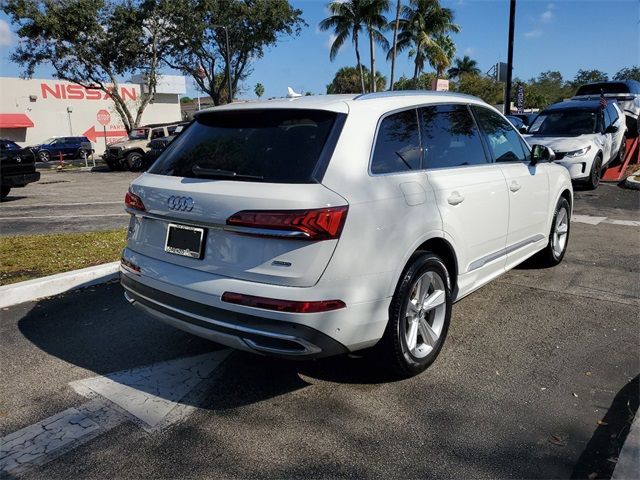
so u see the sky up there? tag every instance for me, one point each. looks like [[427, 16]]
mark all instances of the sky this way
[[563, 35]]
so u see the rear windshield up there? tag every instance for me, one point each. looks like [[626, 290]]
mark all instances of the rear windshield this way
[[271, 145], [595, 88]]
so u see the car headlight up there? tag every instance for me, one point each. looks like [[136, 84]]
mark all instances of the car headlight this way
[[578, 153]]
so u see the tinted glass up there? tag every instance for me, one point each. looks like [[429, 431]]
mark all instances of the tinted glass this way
[[157, 133], [606, 87], [139, 134], [280, 146], [450, 137], [515, 121], [613, 113], [607, 119], [504, 142], [565, 122], [9, 145], [397, 146]]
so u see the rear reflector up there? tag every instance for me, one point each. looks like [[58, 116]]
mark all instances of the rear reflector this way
[[315, 224], [131, 200], [282, 305]]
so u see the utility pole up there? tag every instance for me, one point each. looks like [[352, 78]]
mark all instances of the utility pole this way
[[507, 93], [228, 58]]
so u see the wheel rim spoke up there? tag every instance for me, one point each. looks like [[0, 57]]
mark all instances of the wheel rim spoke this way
[[428, 334], [412, 336], [436, 299], [562, 229]]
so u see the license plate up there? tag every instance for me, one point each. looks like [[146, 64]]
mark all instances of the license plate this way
[[185, 240]]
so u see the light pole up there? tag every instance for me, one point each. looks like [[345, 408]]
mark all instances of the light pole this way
[[512, 21], [228, 57]]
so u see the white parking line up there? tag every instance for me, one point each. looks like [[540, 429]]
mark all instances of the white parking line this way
[[151, 396], [49, 217], [592, 220]]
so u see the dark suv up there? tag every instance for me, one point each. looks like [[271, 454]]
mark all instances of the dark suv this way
[[17, 166], [625, 92], [69, 147]]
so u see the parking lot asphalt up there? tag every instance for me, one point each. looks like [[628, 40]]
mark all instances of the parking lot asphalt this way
[[528, 385], [72, 201]]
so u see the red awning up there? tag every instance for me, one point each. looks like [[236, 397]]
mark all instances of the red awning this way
[[15, 120]]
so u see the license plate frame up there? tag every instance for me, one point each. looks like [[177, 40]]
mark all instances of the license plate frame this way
[[191, 247]]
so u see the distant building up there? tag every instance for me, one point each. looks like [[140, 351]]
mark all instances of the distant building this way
[[33, 110]]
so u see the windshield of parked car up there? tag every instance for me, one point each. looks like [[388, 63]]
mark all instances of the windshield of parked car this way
[[139, 134], [49, 141], [271, 145], [565, 122], [9, 145]]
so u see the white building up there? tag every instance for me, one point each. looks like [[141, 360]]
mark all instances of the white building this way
[[36, 109]]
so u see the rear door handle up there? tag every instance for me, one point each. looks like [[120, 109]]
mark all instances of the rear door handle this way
[[455, 198], [515, 186]]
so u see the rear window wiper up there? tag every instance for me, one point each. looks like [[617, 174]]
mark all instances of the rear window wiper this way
[[199, 171]]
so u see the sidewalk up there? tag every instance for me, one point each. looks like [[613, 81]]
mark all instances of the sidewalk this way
[[628, 466]]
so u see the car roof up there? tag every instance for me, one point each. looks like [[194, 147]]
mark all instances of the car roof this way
[[375, 102], [575, 105]]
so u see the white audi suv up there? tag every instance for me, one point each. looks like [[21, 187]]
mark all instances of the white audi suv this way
[[317, 226]]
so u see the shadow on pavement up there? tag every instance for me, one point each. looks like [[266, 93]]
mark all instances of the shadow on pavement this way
[[608, 439]]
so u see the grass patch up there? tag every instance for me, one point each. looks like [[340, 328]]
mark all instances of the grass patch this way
[[26, 257]]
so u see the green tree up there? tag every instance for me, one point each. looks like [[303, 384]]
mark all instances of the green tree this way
[[347, 80], [347, 19], [259, 90], [424, 82], [393, 52], [463, 66], [440, 53], [551, 86], [198, 43], [588, 76], [186, 99], [92, 43], [422, 21], [375, 22], [628, 73], [486, 88]]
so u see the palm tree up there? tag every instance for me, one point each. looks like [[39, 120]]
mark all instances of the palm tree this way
[[440, 53], [422, 21], [373, 12], [464, 66], [396, 25], [346, 20]]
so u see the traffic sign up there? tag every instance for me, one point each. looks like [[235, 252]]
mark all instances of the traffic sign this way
[[104, 117]]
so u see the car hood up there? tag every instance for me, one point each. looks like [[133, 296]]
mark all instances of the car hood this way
[[129, 143], [563, 144]]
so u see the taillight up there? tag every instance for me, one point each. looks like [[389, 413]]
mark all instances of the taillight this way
[[315, 224], [131, 200], [291, 306]]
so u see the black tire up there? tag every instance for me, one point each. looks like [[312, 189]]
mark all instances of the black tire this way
[[622, 151], [134, 161], [394, 346], [114, 166], [44, 156], [549, 257], [595, 174], [4, 192]]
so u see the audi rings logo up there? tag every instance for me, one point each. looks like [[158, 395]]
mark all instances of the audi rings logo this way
[[184, 204]]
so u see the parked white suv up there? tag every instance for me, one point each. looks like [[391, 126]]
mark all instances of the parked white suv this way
[[584, 136], [322, 225]]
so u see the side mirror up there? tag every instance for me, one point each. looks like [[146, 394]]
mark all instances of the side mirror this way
[[611, 129], [523, 129], [541, 153]]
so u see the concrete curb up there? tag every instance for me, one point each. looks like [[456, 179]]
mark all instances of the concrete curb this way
[[59, 283], [628, 464], [631, 183]]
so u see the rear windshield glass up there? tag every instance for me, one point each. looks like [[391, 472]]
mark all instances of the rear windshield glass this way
[[271, 145], [595, 88]]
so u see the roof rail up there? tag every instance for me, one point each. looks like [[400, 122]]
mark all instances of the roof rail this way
[[407, 93]]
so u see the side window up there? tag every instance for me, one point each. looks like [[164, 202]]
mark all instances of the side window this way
[[607, 119], [504, 142], [613, 113], [171, 129], [397, 146], [157, 133], [450, 137]]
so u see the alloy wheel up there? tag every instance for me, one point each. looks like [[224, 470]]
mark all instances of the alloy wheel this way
[[560, 232], [425, 314]]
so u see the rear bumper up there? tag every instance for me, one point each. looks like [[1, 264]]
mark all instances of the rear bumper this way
[[241, 331], [20, 180]]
